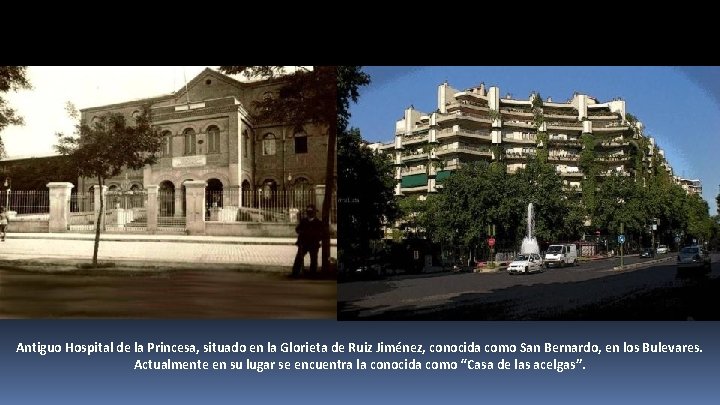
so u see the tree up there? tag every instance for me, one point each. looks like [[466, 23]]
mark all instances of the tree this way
[[540, 184], [107, 147], [620, 202], [321, 96], [366, 198], [12, 78]]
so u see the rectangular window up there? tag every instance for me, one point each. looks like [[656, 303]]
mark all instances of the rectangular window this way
[[301, 144]]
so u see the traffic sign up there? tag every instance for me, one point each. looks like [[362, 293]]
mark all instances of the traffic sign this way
[[491, 242], [621, 238], [677, 239]]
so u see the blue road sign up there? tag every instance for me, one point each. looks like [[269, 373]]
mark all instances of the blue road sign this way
[[621, 238]]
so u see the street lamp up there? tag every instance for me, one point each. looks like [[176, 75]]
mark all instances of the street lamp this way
[[621, 239]]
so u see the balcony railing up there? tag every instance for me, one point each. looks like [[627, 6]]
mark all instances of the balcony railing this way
[[570, 158], [566, 124], [519, 155]]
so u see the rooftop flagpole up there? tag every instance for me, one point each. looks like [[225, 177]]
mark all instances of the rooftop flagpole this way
[[186, 87]]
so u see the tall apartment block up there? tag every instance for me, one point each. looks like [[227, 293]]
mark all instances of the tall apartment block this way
[[479, 124]]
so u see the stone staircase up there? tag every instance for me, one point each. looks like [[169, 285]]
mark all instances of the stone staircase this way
[[165, 225]]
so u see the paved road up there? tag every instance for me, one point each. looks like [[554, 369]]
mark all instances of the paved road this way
[[164, 294], [499, 295], [158, 276]]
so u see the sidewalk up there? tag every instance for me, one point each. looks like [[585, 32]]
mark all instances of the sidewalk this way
[[139, 250], [139, 237]]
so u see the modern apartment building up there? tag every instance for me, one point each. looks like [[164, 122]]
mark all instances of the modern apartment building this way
[[479, 124], [691, 186]]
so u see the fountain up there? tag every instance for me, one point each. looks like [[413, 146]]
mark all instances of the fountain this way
[[529, 243]]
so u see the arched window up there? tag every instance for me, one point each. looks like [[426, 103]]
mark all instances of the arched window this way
[[136, 114], [213, 139], [189, 135], [167, 143], [301, 145], [268, 144]]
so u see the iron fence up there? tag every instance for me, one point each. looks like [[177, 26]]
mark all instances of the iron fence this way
[[125, 199], [82, 202], [261, 206], [171, 211], [26, 202]]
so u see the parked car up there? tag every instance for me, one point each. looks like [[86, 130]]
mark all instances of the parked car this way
[[526, 263], [647, 252], [693, 257], [662, 249], [561, 255]]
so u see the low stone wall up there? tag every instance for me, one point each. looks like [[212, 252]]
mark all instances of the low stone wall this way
[[29, 226], [252, 229], [256, 229]]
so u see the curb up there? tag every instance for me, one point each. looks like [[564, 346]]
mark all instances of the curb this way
[[642, 264], [116, 239], [65, 265], [111, 238]]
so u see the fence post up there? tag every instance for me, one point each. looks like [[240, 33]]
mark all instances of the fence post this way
[[151, 208], [59, 206], [97, 193], [233, 197], [195, 206]]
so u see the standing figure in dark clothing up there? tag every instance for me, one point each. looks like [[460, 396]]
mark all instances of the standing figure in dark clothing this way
[[310, 231]]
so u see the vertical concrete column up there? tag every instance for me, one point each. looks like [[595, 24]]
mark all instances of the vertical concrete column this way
[[233, 197], [98, 193], [319, 198], [151, 208], [178, 202], [59, 205], [195, 206]]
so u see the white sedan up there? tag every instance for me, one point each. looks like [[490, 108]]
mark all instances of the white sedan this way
[[526, 263], [662, 249]]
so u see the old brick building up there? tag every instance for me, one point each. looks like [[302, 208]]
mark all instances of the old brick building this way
[[210, 135]]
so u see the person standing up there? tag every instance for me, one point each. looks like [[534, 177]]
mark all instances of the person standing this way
[[3, 223], [310, 232]]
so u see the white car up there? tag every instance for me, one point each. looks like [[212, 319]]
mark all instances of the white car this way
[[662, 249], [526, 263]]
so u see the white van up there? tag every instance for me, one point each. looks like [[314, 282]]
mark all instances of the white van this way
[[561, 255]]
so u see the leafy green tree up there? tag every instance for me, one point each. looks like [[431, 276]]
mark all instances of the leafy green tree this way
[[461, 216], [366, 197], [699, 223], [12, 78], [107, 147], [619, 201], [414, 212], [540, 184]]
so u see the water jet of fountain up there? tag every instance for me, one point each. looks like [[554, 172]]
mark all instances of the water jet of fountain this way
[[529, 243]]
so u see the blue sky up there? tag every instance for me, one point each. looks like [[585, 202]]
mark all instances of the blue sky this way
[[679, 106]]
